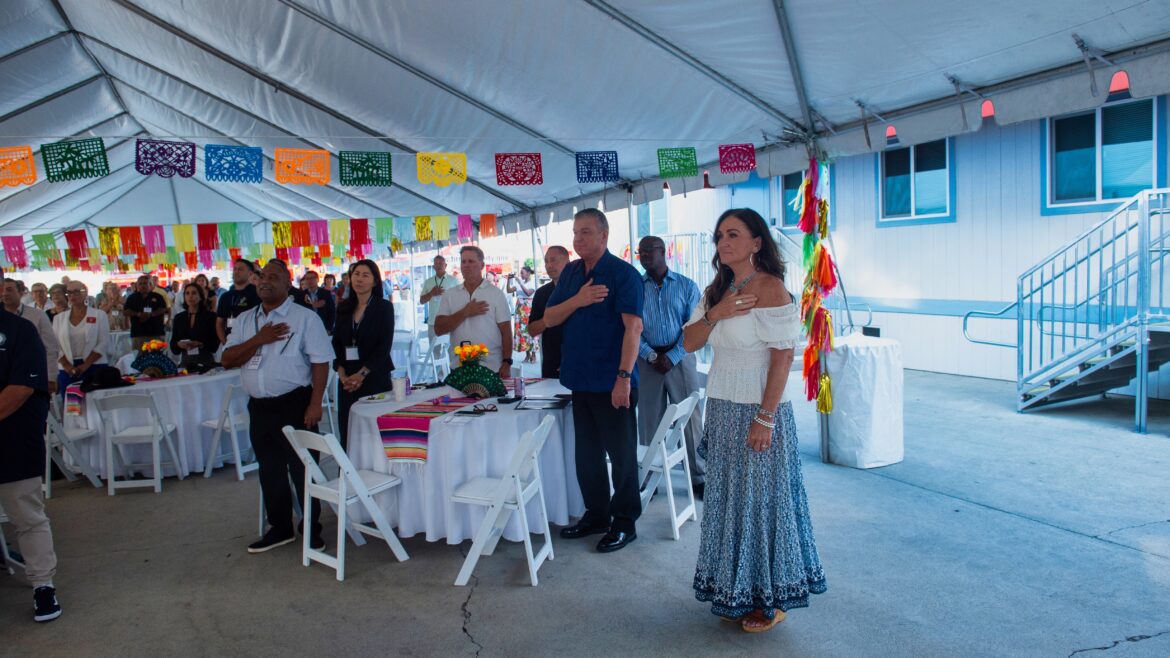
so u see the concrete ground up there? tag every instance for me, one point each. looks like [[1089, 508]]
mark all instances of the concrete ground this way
[[1000, 535]]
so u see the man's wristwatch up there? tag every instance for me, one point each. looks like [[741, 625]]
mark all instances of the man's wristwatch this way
[[623, 374], [507, 361]]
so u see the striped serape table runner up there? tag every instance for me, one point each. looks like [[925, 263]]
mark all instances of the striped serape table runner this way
[[404, 432]]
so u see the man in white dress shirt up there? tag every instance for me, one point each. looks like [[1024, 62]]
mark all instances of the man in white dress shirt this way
[[284, 354], [477, 312]]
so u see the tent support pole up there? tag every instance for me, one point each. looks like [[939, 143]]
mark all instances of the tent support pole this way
[[633, 222]]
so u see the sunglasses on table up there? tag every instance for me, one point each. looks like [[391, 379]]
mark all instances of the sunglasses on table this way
[[484, 408]]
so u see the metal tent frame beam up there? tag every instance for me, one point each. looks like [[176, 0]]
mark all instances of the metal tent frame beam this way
[[237, 108], [296, 93], [52, 97], [794, 68], [693, 62], [33, 46]]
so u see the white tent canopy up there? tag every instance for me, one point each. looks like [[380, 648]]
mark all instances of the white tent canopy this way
[[548, 76]]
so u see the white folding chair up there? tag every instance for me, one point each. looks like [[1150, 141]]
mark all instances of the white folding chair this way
[[60, 440], [419, 367], [233, 417], [9, 562], [155, 432], [351, 486], [505, 495], [329, 403], [668, 450], [439, 358]]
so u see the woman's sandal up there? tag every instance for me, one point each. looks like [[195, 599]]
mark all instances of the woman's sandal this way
[[756, 622]]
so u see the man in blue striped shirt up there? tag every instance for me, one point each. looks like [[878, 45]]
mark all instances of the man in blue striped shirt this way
[[667, 372]]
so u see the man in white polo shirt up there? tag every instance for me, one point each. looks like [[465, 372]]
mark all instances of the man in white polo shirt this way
[[477, 312], [285, 355], [433, 289]]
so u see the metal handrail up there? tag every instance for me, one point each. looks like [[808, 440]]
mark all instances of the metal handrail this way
[[1089, 231], [987, 314]]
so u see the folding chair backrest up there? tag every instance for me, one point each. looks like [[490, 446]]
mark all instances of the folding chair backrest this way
[[231, 400], [524, 457], [53, 424], [130, 401], [303, 441], [678, 422]]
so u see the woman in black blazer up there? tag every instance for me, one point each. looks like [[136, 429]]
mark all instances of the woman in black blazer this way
[[362, 338], [193, 330]]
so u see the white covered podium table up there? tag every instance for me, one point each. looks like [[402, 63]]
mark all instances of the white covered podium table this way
[[865, 428]]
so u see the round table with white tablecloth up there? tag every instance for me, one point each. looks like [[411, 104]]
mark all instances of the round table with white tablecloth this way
[[864, 429], [460, 448], [183, 401]]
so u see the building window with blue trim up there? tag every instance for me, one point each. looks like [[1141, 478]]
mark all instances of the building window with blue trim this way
[[915, 182], [790, 187], [1105, 154]]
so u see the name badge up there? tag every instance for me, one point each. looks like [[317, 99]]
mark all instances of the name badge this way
[[351, 354], [91, 320], [231, 322], [253, 363], [194, 351], [147, 309]]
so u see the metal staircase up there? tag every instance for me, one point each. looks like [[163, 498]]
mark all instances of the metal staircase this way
[[1092, 317]]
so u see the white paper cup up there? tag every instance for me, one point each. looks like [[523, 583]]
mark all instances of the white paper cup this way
[[399, 388]]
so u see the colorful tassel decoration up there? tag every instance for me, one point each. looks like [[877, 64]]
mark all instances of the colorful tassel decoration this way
[[825, 395]]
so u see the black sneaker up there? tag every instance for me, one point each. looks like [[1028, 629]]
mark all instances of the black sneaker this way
[[45, 605], [317, 543], [271, 540]]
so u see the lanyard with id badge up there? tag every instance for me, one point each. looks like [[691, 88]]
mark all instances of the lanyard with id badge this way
[[351, 351]]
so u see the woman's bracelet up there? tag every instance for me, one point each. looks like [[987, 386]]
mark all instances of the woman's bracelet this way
[[708, 322], [764, 423], [765, 413]]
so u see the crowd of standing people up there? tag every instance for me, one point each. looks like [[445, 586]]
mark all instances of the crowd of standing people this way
[[621, 341]]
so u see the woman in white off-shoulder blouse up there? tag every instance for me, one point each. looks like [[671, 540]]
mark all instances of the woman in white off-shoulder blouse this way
[[757, 557]]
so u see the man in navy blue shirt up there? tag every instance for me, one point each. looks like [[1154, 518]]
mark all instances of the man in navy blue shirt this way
[[24, 406], [241, 297], [598, 299]]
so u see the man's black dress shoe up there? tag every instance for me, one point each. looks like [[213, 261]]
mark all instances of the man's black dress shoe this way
[[583, 529], [615, 540], [698, 488]]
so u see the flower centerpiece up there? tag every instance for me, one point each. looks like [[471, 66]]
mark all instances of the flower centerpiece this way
[[153, 361], [472, 378]]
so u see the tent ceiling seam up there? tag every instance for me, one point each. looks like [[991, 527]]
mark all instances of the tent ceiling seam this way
[[295, 93], [467, 98], [51, 97], [33, 46], [695, 63], [239, 109]]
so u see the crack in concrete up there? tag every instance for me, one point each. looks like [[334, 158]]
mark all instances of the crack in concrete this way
[[1131, 527], [466, 612], [1132, 638]]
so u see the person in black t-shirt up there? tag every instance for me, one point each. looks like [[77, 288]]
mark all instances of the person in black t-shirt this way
[[147, 311], [24, 406], [555, 260], [241, 297]]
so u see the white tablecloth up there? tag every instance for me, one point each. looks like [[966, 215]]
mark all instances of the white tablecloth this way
[[865, 427], [183, 401], [458, 451]]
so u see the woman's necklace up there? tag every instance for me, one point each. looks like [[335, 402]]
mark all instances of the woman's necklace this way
[[733, 288]]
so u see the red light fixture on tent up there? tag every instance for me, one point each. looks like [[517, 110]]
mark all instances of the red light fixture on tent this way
[[891, 135], [707, 181], [665, 185], [1118, 87], [987, 109]]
